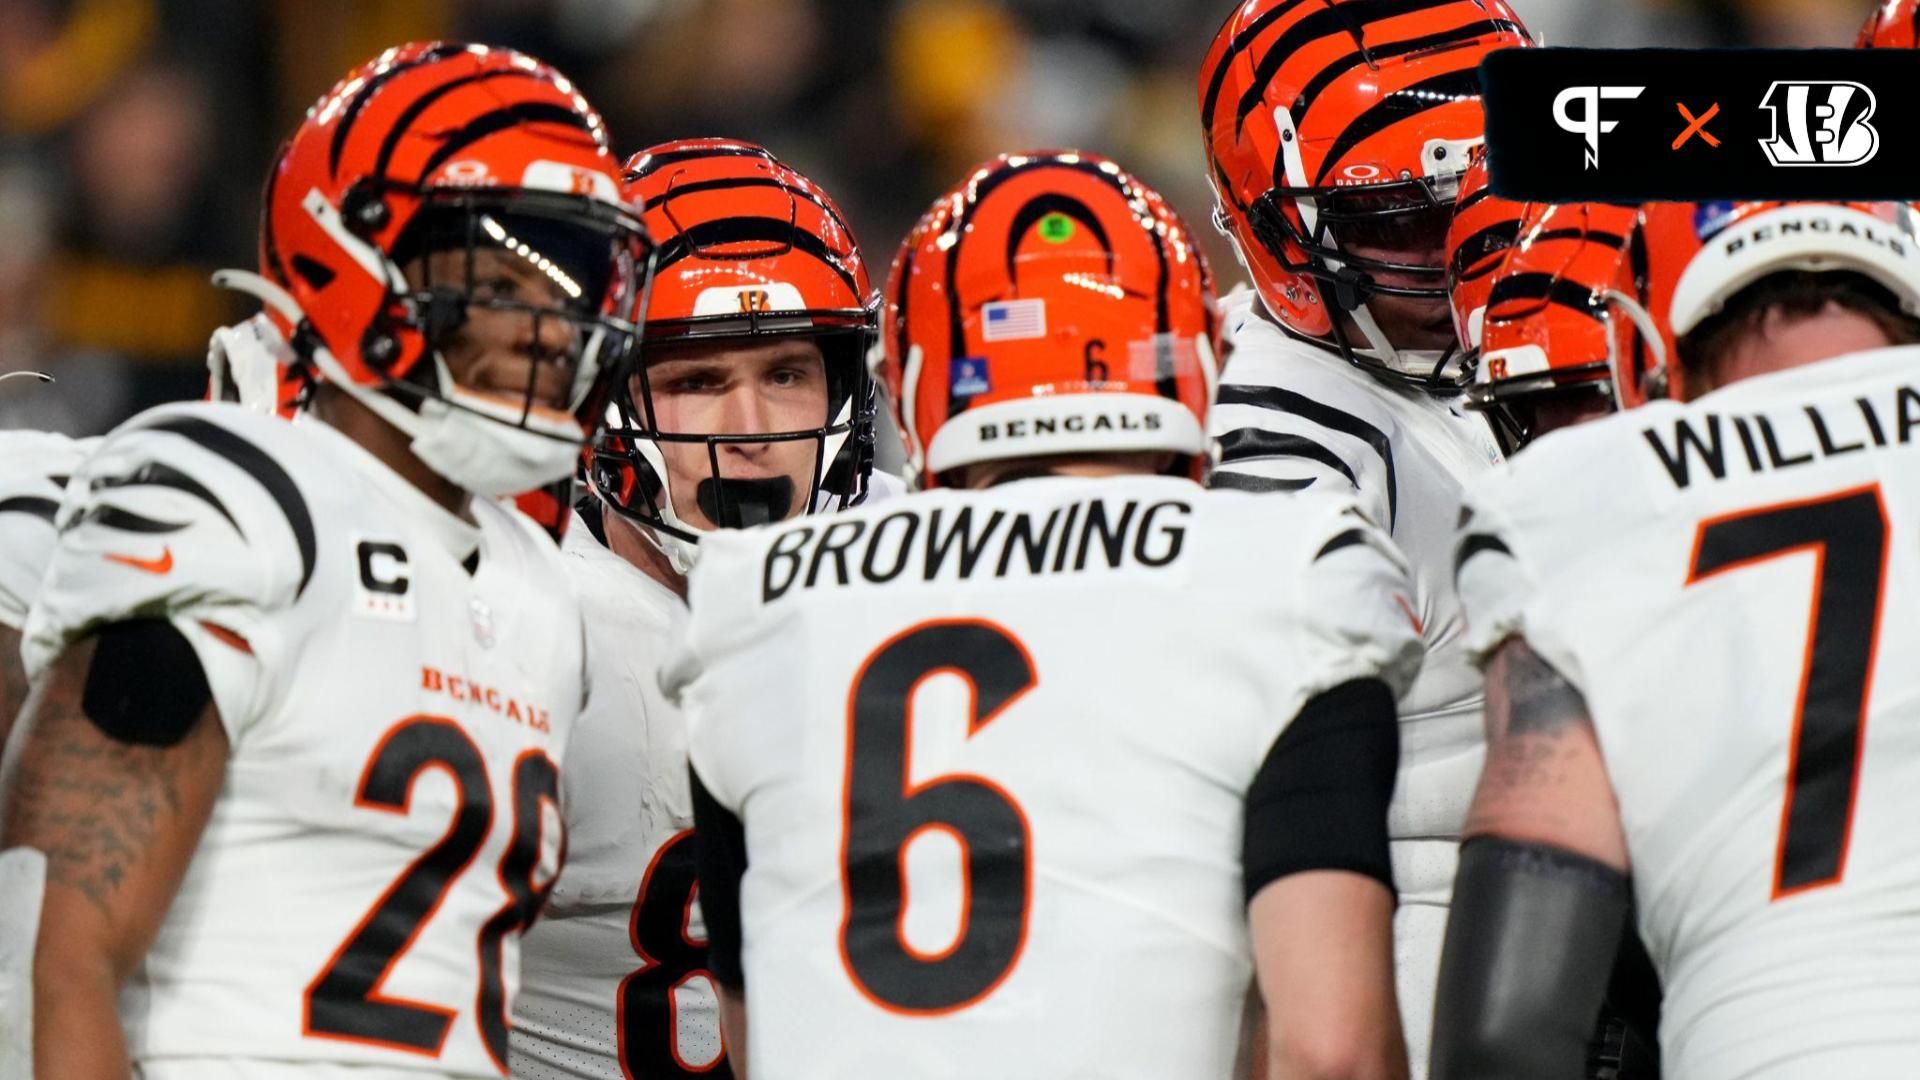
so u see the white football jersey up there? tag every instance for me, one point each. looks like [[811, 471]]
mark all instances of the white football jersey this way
[[1290, 415], [613, 976], [991, 751], [34, 467], [397, 686], [1734, 585]]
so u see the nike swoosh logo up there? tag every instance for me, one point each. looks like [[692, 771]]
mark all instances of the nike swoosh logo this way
[[161, 565]]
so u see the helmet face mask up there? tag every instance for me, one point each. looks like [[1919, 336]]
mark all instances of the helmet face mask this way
[[1338, 134], [511, 294], [1568, 331], [750, 399], [444, 240]]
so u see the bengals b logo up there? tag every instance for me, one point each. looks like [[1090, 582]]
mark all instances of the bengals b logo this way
[[1820, 123], [754, 300]]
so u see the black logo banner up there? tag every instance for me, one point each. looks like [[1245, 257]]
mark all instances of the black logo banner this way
[[1630, 125]]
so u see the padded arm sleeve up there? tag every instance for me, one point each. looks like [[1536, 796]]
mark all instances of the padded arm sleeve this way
[[720, 842], [1530, 946], [1320, 800]]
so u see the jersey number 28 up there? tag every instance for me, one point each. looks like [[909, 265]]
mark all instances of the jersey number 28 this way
[[344, 1000]]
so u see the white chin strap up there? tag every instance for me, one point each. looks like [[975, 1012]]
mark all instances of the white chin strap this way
[[1414, 363]]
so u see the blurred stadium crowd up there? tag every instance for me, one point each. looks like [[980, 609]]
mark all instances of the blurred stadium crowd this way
[[134, 133]]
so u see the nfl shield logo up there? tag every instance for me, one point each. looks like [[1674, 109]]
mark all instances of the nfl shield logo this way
[[969, 377]]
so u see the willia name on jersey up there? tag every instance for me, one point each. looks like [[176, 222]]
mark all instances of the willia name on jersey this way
[[1715, 445], [957, 543]]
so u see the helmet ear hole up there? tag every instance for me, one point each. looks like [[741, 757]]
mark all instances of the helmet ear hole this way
[[364, 210], [380, 349]]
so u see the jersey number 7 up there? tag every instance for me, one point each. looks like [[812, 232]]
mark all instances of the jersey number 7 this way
[[1847, 535], [885, 810]]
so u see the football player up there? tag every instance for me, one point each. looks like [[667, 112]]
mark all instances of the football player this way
[[1566, 328], [959, 811], [1337, 133], [287, 785], [1696, 698], [758, 324]]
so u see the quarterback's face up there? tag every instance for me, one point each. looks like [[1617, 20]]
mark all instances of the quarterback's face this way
[[497, 350], [738, 388]]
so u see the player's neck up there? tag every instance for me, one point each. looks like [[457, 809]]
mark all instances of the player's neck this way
[[624, 540], [393, 447]]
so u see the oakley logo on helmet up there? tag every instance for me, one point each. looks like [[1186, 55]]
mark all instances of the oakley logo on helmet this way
[[1588, 125], [1820, 124]]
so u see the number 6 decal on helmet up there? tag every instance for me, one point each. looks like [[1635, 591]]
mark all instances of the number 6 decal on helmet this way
[[885, 812]]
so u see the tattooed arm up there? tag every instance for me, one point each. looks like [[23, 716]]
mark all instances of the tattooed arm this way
[[1544, 781], [13, 681], [1541, 896], [118, 823]]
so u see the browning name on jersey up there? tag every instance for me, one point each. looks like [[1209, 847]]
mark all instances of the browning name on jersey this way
[[955, 544], [1000, 833], [378, 845]]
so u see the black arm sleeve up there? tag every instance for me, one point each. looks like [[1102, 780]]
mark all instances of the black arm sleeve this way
[[1530, 945], [1319, 801], [720, 842], [144, 684]]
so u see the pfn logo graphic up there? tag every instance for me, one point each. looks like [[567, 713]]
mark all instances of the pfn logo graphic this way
[[1820, 124], [1589, 125]]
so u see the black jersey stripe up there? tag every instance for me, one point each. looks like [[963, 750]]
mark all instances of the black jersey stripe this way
[[1478, 544], [1344, 540], [1260, 444], [1259, 485], [256, 463], [31, 505], [1292, 404], [113, 517], [160, 474]]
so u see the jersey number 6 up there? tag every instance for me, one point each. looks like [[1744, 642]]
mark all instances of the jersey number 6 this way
[[885, 811]]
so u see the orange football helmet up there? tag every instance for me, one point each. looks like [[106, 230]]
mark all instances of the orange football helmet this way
[[1050, 304], [1569, 315], [748, 248], [1894, 24], [1337, 124], [1484, 228], [1737, 245], [453, 155]]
